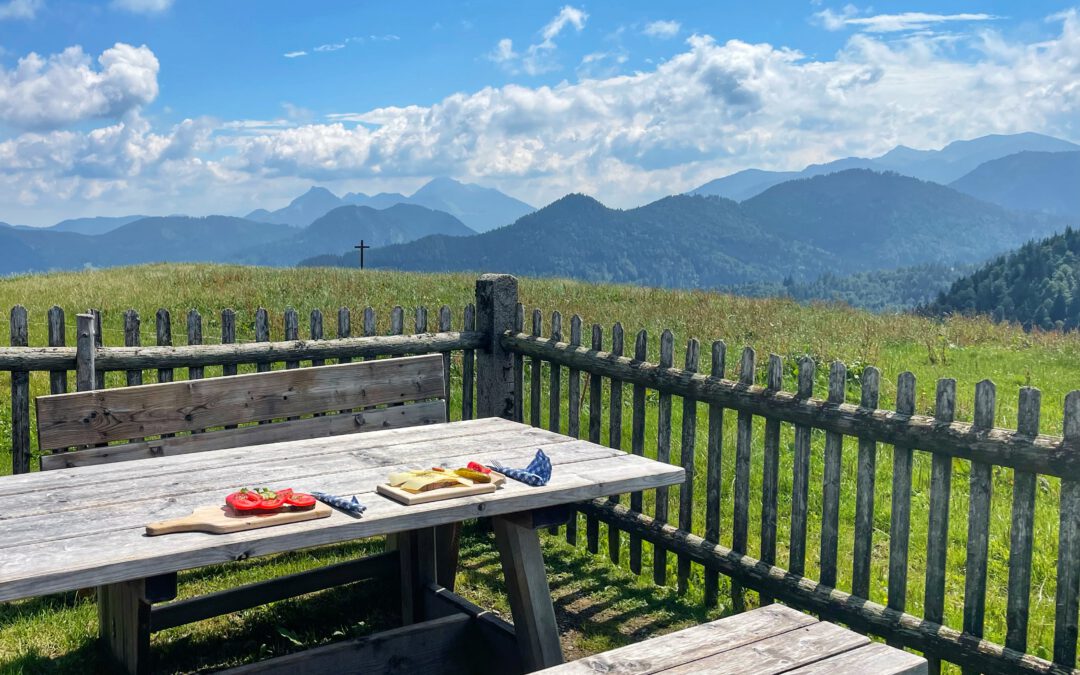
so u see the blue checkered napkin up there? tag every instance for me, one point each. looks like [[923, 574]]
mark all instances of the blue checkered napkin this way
[[536, 474], [352, 506]]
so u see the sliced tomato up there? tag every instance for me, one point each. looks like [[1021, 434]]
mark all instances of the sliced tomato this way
[[477, 466], [300, 500], [244, 501], [284, 493], [271, 504]]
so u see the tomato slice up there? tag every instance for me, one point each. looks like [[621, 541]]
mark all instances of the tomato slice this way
[[244, 501], [284, 493], [477, 466], [300, 500], [271, 504]]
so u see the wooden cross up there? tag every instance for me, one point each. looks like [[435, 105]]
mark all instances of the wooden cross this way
[[362, 246]]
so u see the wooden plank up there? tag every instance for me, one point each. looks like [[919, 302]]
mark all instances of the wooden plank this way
[[596, 395], [20, 397], [262, 334], [445, 324], [937, 533], [830, 489], [519, 367], [124, 620], [535, 374], [780, 653], [315, 331], [527, 587], [412, 414], [496, 306], [900, 519], [428, 646], [637, 442], [1043, 454], [770, 475], [800, 479], [713, 473], [573, 413], [873, 658], [194, 337], [1021, 536], [85, 366], [687, 454], [163, 330], [663, 454], [467, 361], [978, 540], [420, 320], [189, 610], [555, 386], [741, 512], [615, 403], [344, 330], [370, 328], [99, 341], [495, 635], [397, 320], [834, 604], [864, 491], [131, 339], [686, 646], [57, 338], [292, 332], [1067, 595], [228, 337]]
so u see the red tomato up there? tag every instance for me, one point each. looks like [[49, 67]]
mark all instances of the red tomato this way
[[477, 466], [271, 504], [300, 500], [244, 501], [284, 493]]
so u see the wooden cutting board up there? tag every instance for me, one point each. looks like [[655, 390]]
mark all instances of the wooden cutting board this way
[[411, 498], [221, 519]]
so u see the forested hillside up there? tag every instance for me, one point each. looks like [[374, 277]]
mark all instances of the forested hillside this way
[[1038, 286]]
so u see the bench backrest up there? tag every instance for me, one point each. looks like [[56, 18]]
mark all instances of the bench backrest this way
[[189, 416]]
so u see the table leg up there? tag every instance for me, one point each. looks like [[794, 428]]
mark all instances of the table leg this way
[[527, 585], [124, 621], [447, 541], [417, 555]]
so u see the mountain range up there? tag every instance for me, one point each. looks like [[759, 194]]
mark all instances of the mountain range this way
[[943, 166], [479, 208]]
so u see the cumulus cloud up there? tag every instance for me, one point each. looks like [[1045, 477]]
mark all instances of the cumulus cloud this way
[[142, 6], [539, 57], [293, 55], [662, 29], [331, 47], [62, 89], [891, 23], [20, 9]]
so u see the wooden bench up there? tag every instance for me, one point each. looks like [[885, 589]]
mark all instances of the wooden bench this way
[[768, 640], [149, 421]]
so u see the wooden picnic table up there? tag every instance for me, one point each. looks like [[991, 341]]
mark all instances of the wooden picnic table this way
[[83, 527]]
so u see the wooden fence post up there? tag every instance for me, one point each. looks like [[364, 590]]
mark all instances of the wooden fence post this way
[[85, 374], [496, 304], [20, 397]]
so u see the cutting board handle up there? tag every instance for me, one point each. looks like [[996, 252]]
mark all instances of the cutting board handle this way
[[188, 523]]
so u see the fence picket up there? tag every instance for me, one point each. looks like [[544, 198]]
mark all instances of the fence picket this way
[[397, 320], [421, 320], [370, 326], [637, 443], [57, 338], [163, 327], [1023, 529], [663, 454], [686, 456], [315, 330], [262, 334], [1068, 567], [830, 488], [535, 373], [741, 513], [937, 534], [864, 492], [615, 402], [132, 339], [900, 521], [800, 479], [596, 395], [573, 414], [468, 359], [445, 323], [519, 368], [554, 390], [99, 341], [228, 337], [770, 475], [344, 328], [978, 540], [20, 396], [713, 473], [194, 337]]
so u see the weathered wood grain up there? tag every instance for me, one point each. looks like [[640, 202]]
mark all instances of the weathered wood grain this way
[[496, 306], [228, 337], [663, 454], [830, 490], [978, 540], [800, 480], [99, 341], [741, 509], [687, 452], [555, 386], [57, 338], [1049, 455], [131, 339], [163, 333], [468, 360], [864, 492], [135, 412], [615, 403], [596, 394], [873, 658], [85, 366], [344, 329], [637, 442], [770, 475], [900, 519], [124, 618], [536, 373], [1021, 536], [194, 337], [937, 533], [519, 367], [262, 334], [315, 331], [714, 450], [1067, 595], [20, 396], [573, 384], [445, 324]]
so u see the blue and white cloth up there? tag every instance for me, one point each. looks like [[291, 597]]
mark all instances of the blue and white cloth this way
[[352, 506], [536, 474]]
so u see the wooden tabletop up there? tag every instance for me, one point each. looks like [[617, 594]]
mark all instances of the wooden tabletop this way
[[74, 528], [766, 641]]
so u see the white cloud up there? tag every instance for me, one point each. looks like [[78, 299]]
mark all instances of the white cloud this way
[[712, 109], [62, 89], [332, 47], [20, 9], [662, 29], [142, 6], [891, 23], [293, 55], [539, 57]]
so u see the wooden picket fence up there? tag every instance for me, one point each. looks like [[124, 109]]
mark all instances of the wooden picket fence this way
[[547, 377]]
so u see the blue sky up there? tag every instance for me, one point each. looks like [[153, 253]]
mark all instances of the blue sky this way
[[202, 107]]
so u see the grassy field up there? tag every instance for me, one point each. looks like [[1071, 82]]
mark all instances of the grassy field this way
[[966, 349]]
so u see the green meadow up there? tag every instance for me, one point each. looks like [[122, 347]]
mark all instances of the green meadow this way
[[600, 606]]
